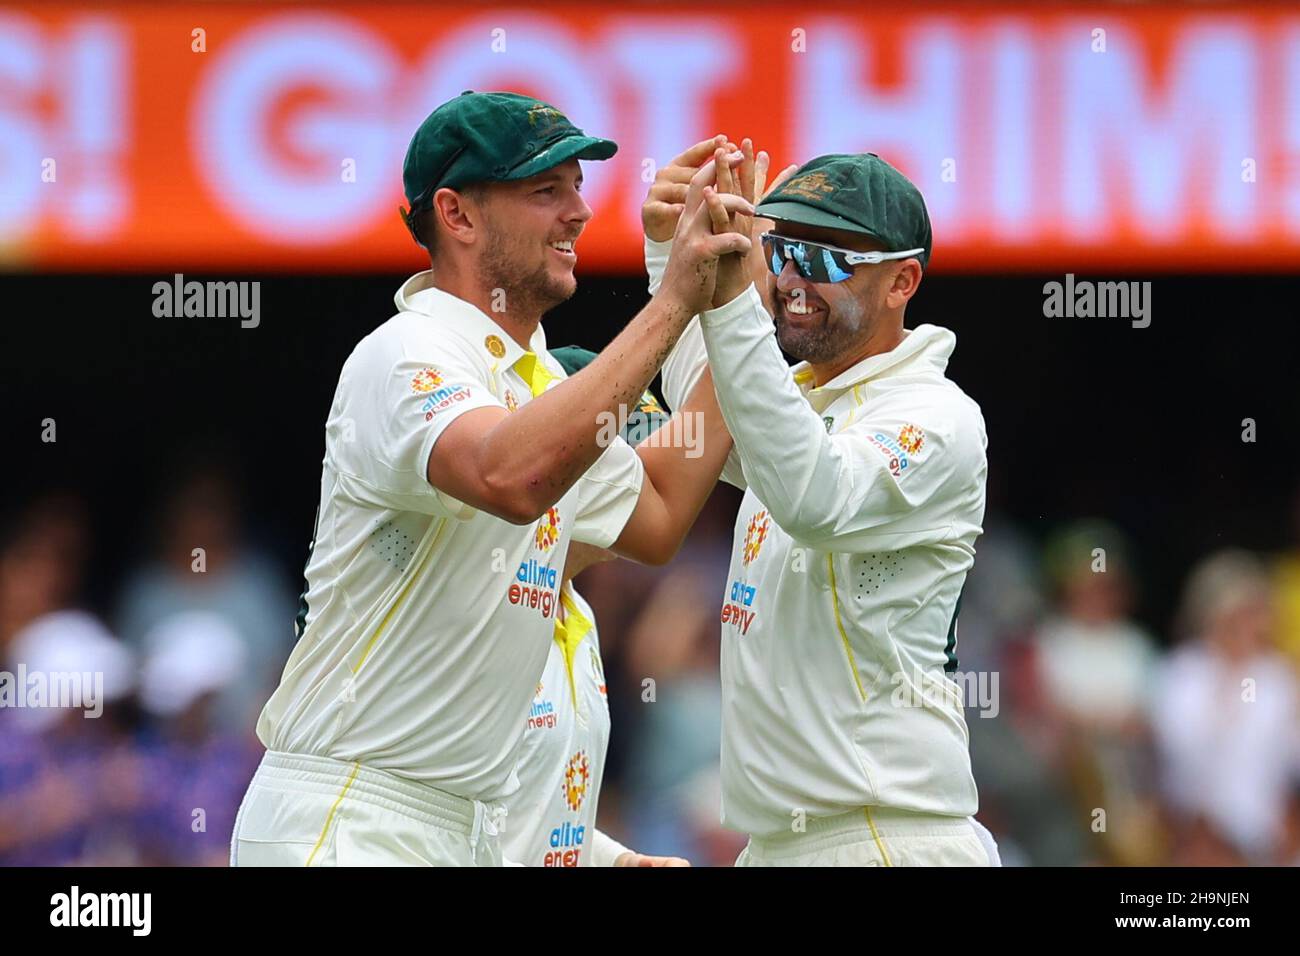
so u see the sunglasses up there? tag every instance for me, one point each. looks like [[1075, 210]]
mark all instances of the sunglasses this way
[[817, 262]]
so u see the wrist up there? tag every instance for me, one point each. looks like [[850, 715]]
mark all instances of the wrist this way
[[677, 307], [731, 301]]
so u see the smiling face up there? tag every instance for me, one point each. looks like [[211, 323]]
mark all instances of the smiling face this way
[[825, 322], [531, 227]]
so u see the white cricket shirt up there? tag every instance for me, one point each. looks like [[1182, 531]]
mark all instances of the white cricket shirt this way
[[552, 816], [864, 499], [427, 624]]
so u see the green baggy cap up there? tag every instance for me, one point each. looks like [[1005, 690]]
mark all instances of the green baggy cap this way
[[491, 137], [859, 193], [648, 415]]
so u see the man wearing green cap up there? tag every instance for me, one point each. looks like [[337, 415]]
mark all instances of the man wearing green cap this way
[[459, 464], [844, 737]]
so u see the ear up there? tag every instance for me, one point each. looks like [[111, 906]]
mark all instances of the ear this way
[[459, 215], [906, 281]]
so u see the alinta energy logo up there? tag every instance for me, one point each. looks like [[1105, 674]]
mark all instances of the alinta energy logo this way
[[739, 611], [577, 778], [439, 395], [541, 715], [755, 535], [894, 450], [548, 530], [911, 438], [535, 582], [426, 380], [535, 587]]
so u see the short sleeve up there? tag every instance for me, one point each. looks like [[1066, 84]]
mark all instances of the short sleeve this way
[[607, 495], [390, 414]]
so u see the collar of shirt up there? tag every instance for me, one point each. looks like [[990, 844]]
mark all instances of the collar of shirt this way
[[925, 345], [418, 294]]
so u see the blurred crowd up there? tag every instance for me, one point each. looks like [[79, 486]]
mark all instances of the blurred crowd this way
[[1094, 740]]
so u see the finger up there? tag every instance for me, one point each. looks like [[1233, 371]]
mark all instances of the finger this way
[[761, 164], [664, 210], [730, 204], [736, 205], [699, 219], [747, 169], [694, 155], [726, 182], [718, 218], [724, 212], [704, 176], [781, 177], [669, 192], [676, 174], [715, 247]]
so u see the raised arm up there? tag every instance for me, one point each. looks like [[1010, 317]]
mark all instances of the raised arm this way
[[688, 360], [517, 465]]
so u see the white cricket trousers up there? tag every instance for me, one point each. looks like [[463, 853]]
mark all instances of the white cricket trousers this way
[[315, 811], [877, 836]]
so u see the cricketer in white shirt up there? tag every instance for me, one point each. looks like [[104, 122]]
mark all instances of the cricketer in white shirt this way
[[844, 741], [426, 622], [552, 816]]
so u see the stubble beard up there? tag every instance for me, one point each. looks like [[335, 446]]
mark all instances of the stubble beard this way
[[526, 292], [840, 334]]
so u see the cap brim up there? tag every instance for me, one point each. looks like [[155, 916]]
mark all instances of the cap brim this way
[[573, 147], [809, 216]]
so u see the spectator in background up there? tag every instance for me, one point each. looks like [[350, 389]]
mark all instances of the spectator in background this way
[[1290, 849], [1002, 600], [1095, 664], [674, 643], [43, 549], [71, 783], [1021, 800], [202, 565], [1094, 668], [196, 773], [1225, 716]]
